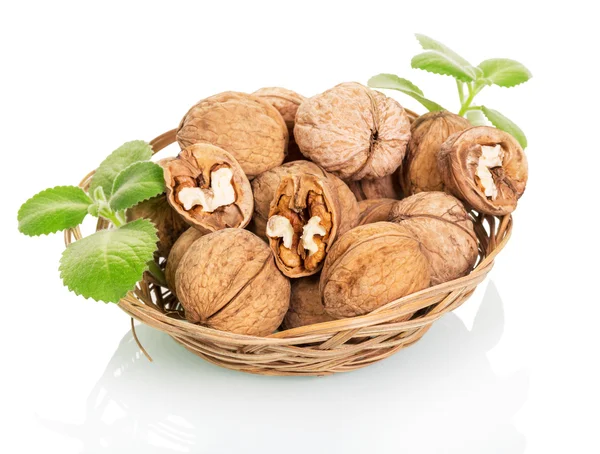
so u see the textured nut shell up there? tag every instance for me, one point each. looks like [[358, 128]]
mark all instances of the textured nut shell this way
[[387, 187], [444, 228], [457, 163], [198, 160], [372, 265], [428, 132], [265, 185], [246, 126], [178, 250], [375, 210], [228, 281], [353, 132], [306, 307]]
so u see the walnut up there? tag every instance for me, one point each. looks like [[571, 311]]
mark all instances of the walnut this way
[[372, 265], [419, 172], [444, 228], [286, 102], [306, 307], [486, 168], [246, 126], [375, 210], [228, 281], [178, 250], [387, 187], [353, 132], [207, 186], [266, 184]]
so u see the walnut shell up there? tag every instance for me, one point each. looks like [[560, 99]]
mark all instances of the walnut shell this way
[[178, 250], [193, 167], [375, 210], [387, 187], [458, 160], [428, 132], [266, 184], [306, 307], [228, 281], [286, 102], [353, 132], [444, 228], [372, 265], [246, 126]]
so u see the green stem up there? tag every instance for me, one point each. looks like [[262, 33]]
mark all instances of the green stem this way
[[461, 92], [157, 272], [467, 103]]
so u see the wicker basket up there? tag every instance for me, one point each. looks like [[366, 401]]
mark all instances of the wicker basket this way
[[320, 349]]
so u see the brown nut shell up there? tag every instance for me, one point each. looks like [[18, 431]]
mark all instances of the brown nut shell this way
[[372, 265], [178, 250], [306, 307], [193, 167], [443, 226], [375, 210], [387, 187], [428, 132], [246, 126], [228, 281], [353, 132], [457, 164]]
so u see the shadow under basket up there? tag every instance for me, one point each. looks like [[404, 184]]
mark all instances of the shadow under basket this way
[[320, 349]]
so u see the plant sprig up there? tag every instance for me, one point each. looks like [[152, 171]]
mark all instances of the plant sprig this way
[[470, 81], [107, 264]]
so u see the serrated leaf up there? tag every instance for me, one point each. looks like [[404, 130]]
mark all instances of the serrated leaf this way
[[405, 86], [428, 43], [121, 158], [51, 210], [504, 72], [503, 123], [136, 183], [438, 63], [476, 118], [106, 265]]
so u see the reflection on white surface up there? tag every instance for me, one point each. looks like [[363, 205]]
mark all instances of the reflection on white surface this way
[[439, 395]]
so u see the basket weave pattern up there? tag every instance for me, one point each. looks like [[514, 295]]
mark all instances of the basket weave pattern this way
[[320, 349]]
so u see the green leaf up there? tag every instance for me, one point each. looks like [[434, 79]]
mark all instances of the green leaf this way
[[501, 122], [122, 157], [476, 118], [397, 83], [106, 265], [136, 183], [49, 211], [438, 63], [504, 72], [428, 43]]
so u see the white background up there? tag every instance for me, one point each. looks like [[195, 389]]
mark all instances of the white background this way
[[513, 370]]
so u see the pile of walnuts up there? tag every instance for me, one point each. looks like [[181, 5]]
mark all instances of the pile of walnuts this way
[[282, 211]]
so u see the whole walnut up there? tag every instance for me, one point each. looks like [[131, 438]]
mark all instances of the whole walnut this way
[[286, 102], [375, 210], [208, 188], [227, 280], [246, 126], [353, 132], [419, 173], [178, 250], [486, 168], [266, 184], [306, 307], [387, 187], [370, 266], [442, 225]]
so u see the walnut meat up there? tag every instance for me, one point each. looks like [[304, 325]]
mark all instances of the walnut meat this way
[[207, 186], [486, 168], [246, 126], [387, 187], [306, 307], [353, 132], [442, 225], [372, 265], [375, 210], [178, 250], [228, 280], [286, 102], [419, 172]]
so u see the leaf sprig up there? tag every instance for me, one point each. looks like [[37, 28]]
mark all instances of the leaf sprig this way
[[470, 81], [107, 264]]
